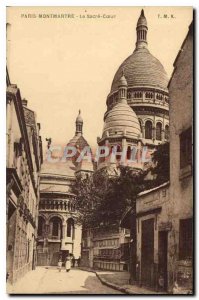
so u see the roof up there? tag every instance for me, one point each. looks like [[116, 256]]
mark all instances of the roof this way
[[79, 118], [65, 168], [141, 69], [190, 33], [142, 20], [153, 189], [78, 141]]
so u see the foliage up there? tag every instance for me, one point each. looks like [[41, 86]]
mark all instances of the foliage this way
[[102, 199], [160, 159]]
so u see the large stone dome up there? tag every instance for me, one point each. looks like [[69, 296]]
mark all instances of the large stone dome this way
[[122, 121], [141, 69]]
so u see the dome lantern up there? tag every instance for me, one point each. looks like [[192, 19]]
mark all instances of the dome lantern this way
[[79, 124], [141, 29]]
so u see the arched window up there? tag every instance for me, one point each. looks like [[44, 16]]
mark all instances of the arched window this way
[[167, 132], [148, 130], [158, 131], [41, 224], [102, 158], [56, 228], [70, 228]]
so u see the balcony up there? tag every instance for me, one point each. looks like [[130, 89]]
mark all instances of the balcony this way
[[57, 205]]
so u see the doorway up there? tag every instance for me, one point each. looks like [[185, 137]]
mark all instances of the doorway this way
[[162, 258], [147, 253]]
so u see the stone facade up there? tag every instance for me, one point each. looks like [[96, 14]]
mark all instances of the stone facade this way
[[23, 163], [58, 233], [154, 251], [181, 175]]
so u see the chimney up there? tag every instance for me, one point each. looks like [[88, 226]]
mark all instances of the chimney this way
[[24, 102]]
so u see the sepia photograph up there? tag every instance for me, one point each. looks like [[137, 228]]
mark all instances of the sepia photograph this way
[[99, 150]]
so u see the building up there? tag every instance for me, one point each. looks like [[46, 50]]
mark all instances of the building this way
[[147, 92], [23, 163], [137, 115], [164, 214], [153, 224], [181, 165], [58, 232]]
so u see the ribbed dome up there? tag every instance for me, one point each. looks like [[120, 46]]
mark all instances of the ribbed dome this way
[[141, 69], [122, 120]]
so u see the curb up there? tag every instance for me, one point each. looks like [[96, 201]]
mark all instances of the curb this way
[[112, 285], [107, 283]]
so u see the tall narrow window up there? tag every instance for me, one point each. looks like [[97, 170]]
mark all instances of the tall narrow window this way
[[41, 224], [118, 156], [128, 155], [56, 227], [186, 148], [70, 227], [148, 130], [158, 131], [167, 132]]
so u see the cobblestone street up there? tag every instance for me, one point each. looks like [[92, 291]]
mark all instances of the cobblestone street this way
[[50, 281]]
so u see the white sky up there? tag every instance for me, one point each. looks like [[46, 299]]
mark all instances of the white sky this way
[[63, 65]]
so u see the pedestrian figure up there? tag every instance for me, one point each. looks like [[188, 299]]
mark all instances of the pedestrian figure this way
[[78, 261], [59, 265], [68, 264], [73, 261]]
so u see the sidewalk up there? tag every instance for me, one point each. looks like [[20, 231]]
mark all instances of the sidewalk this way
[[32, 280], [120, 282]]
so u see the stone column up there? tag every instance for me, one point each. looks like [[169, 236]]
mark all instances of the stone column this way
[[124, 148], [163, 135], [63, 231], [143, 96], [143, 131]]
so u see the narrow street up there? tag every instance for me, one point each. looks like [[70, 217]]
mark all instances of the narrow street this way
[[50, 281]]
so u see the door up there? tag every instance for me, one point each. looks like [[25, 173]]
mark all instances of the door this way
[[162, 260], [147, 253]]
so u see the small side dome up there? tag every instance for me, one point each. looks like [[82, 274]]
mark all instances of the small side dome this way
[[79, 118], [122, 120]]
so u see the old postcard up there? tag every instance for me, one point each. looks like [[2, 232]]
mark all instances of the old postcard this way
[[99, 124]]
